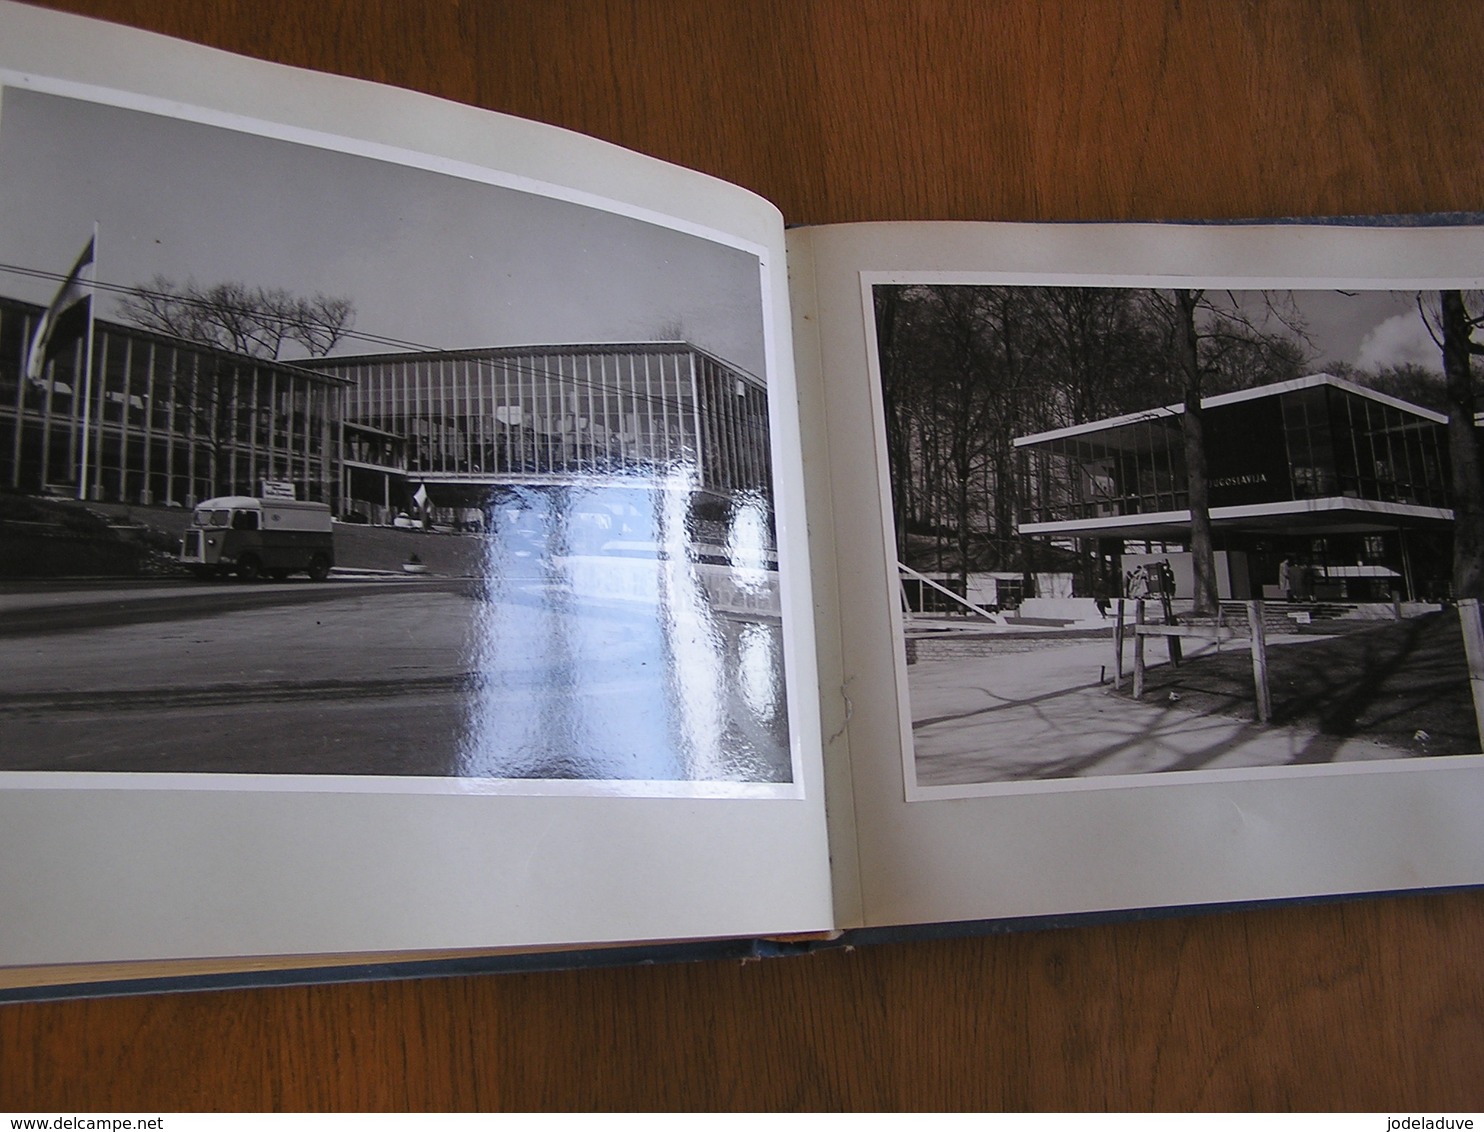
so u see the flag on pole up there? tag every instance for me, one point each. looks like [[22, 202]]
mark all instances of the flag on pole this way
[[66, 318], [420, 497]]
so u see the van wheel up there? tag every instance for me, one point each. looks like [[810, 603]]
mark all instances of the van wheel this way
[[319, 568], [249, 569]]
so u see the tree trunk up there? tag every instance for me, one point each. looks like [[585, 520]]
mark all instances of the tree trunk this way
[[1202, 553], [1463, 451], [962, 519], [898, 441]]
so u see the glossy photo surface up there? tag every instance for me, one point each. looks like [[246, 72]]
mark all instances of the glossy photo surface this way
[[320, 464]]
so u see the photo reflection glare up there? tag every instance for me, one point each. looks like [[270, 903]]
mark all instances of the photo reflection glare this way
[[613, 639]]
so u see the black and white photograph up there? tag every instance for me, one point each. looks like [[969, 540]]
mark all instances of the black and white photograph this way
[[314, 463], [1145, 530]]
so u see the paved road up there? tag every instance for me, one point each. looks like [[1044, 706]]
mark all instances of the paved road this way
[[1043, 714], [30, 608], [383, 678]]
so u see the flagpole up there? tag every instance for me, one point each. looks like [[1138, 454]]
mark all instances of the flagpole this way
[[87, 375]]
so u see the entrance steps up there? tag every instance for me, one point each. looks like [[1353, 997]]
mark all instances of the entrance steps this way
[[1287, 616]]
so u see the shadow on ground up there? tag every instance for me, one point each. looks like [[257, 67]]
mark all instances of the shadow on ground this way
[[1401, 683]]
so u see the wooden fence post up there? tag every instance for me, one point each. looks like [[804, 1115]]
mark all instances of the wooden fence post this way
[[1138, 649], [1259, 661], [1118, 649], [1473, 647]]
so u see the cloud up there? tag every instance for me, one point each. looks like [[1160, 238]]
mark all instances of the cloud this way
[[1399, 340]]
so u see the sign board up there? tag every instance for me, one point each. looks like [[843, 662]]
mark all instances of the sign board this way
[[1247, 454], [277, 489]]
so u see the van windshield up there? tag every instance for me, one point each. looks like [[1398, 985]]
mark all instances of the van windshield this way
[[205, 518]]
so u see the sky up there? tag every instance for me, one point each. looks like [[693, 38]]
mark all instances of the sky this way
[[426, 258], [1367, 329]]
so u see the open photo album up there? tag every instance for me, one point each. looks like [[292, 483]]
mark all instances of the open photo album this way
[[435, 541]]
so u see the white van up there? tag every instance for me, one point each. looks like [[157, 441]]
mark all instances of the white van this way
[[257, 538]]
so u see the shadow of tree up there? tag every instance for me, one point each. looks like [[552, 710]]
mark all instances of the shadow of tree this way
[[1389, 682], [1398, 685]]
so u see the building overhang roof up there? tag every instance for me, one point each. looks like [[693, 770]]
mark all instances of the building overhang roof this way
[[336, 362], [1172, 412], [371, 466], [1335, 515], [371, 430]]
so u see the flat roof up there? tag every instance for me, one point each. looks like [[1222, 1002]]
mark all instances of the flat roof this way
[[1333, 513], [1174, 410], [544, 349]]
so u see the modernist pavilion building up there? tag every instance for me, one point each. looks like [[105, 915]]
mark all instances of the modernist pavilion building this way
[[1349, 484], [172, 422], [458, 424]]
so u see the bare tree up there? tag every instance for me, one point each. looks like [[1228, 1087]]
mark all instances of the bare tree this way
[[965, 370], [891, 357], [1456, 325], [1407, 381], [256, 321], [1108, 358], [955, 367], [1187, 363], [669, 330], [1212, 337]]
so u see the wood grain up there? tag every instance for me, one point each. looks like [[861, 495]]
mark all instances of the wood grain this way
[[839, 110], [1371, 1005]]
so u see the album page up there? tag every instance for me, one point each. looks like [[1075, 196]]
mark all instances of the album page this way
[[402, 544], [1095, 655]]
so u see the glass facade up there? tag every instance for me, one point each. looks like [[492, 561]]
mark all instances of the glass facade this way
[[1368, 449], [1319, 441], [548, 414], [1135, 468], [170, 423]]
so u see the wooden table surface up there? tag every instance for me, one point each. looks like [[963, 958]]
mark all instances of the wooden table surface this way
[[844, 110]]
